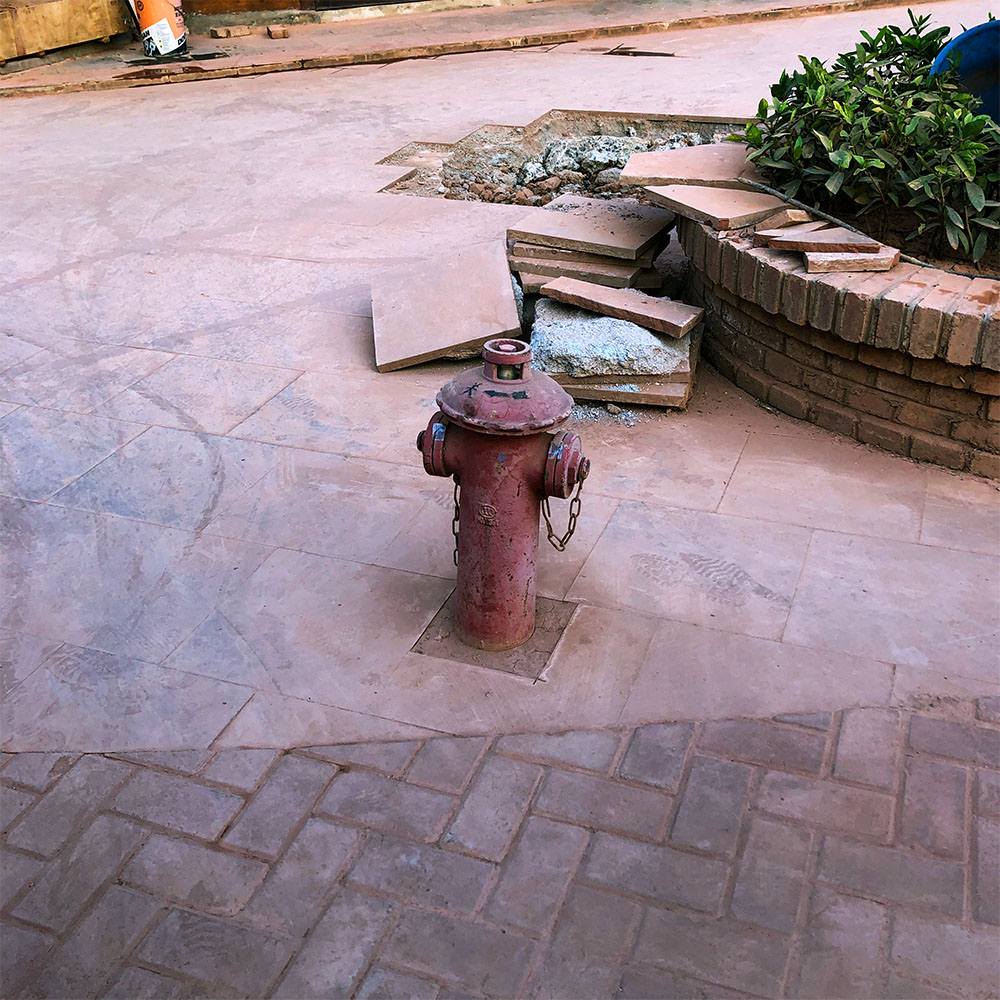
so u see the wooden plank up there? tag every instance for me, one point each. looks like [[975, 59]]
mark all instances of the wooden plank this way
[[835, 240], [53, 24], [718, 207], [662, 315], [442, 308], [885, 260], [614, 227]]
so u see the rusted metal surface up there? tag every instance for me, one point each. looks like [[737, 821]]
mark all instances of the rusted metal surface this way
[[491, 436]]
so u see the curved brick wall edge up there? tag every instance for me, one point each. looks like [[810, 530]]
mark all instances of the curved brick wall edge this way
[[905, 360]]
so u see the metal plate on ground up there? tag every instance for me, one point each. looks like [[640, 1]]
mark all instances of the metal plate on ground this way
[[440, 639]]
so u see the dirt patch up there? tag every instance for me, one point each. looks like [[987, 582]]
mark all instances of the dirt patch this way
[[563, 152]]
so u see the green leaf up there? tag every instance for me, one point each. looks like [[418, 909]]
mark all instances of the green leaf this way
[[954, 235], [975, 194], [840, 158], [835, 182], [954, 216], [979, 247]]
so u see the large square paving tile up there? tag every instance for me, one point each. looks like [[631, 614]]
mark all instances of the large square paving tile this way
[[83, 699], [343, 413], [112, 584], [199, 394], [171, 477], [20, 654], [899, 602], [320, 628], [692, 672], [41, 450], [76, 375], [328, 504], [826, 483], [709, 569], [961, 513]]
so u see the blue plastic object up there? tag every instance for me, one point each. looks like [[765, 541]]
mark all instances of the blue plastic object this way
[[976, 55]]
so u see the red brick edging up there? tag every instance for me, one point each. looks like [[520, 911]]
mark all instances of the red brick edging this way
[[905, 360]]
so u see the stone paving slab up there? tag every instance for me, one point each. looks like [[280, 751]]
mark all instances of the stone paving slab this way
[[846, 854]]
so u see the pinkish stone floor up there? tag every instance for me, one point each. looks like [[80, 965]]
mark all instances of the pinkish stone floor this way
[[218, 550]]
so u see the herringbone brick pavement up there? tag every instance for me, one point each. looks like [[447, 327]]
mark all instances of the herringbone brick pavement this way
[[845, 855]]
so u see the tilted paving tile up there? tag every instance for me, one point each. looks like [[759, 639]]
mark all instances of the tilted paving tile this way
[[720, 951], [339, 947], [661, 874], [811, 720], [933, 813], [765, 743], [203, 878], [494, 807], [711, 809], [293, 892], [592, 937], [842, 948], [16, 871], [446, 764], [421, 873], [868, 747], [178, 803], [279, 805], [655, 755], [77, 795], [929, 948], [536, 874], [894, 875], [986, 871], [826, 803], [590, 749], [389, 805], [240, 768], [215, 951], [480, 958], [71, 878], [108, 932], [13, 802], [959, 740], [604, 804], [388, 757], [388, 984], [771, 872], [38, 770], [21, 948]]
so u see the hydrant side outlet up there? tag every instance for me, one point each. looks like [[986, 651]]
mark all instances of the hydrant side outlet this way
[[491, 434]]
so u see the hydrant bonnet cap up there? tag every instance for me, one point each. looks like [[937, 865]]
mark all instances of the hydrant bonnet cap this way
[[504, 395]]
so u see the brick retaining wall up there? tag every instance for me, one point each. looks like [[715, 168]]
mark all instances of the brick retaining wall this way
[[829, 351]]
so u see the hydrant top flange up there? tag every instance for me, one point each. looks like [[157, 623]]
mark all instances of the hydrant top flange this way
[[505, 395]]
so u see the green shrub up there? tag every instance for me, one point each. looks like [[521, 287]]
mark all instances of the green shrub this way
[[877, 130]]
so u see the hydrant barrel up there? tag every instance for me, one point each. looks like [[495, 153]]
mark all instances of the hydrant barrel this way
[[492, 435]]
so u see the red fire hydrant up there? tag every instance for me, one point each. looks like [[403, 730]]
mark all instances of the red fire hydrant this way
[[491, 435]]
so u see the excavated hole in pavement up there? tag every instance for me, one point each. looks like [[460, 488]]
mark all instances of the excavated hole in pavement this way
[[563, 152]]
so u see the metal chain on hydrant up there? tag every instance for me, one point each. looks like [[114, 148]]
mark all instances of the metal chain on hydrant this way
[[454, 521], [557, 542]]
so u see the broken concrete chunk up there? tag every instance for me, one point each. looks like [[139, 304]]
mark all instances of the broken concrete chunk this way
[[834, 240], [661, 315], [442, 308], [763, 237], [721, 165], [231, 31], [720, 208], [614, 227], [570, 341], [884, 260], [277, 31]]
